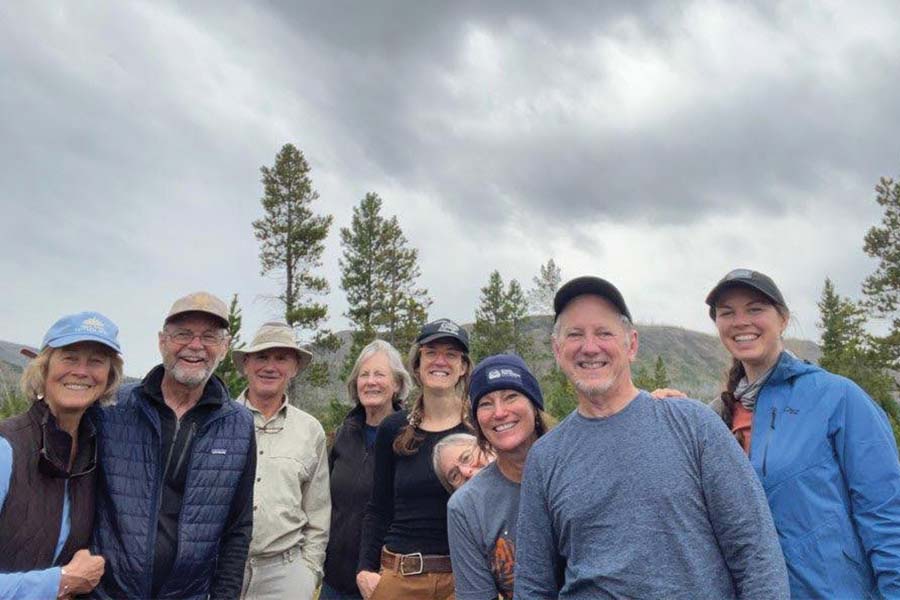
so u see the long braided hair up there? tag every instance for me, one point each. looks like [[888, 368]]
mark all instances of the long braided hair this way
[[409, 438]]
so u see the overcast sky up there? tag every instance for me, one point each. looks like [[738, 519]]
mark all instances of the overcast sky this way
[[654, 144]]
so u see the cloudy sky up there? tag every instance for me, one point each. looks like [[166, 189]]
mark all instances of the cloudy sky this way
[[655, 144]]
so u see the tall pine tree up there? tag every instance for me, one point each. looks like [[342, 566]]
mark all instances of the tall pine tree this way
[[291, 242], [291, 238], [848, 350], [499, 320], [379, 272], [882, 288], [540, 297]]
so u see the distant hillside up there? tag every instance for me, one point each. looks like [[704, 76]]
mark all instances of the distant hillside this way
[[695, 361]]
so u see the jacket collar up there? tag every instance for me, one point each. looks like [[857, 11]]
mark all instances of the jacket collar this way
[[789, 367], [56, 444]]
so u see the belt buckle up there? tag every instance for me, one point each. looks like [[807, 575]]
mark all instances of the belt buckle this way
[[403, 558]]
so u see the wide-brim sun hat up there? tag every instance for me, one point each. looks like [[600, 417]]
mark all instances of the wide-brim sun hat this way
[[270, 336]]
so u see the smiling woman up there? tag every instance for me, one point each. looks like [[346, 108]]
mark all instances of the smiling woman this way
[[404, 551], [819, 445], [48, 459]]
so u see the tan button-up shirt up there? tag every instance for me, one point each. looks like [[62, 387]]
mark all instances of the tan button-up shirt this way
[[291, 496]]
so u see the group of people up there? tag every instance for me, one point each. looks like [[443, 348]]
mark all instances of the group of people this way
[[447, 479]]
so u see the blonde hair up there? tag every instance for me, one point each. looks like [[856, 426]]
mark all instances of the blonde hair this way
[[34, 377], [408, 440]]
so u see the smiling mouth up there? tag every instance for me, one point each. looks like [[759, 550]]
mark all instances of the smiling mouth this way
[[592, 364], [745, 337], [505, 427], [192, 360], [77, 387], [439, 373]]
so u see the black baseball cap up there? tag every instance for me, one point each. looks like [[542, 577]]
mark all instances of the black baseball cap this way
[[443, 328], [589, 285], [760, 282]]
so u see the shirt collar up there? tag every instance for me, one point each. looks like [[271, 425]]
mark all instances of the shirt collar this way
[[258, 418]]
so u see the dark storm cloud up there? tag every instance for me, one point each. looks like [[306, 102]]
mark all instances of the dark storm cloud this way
[[740, 138]]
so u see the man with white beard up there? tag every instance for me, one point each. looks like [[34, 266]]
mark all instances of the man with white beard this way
[[177, 459]]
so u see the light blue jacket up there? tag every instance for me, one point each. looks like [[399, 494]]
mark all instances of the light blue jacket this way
[[827, 459]]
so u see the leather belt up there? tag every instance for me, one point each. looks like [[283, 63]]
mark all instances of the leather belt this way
[[415, 563]]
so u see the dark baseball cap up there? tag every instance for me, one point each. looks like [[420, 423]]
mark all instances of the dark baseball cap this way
[[589, 285], [760, 282], [443, 328]]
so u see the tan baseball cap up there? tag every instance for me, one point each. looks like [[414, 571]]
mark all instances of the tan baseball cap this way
[[200, 302], [274, 334]]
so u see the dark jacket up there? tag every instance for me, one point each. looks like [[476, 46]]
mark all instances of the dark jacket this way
[[351, 469], [32, 512], [128, 500]]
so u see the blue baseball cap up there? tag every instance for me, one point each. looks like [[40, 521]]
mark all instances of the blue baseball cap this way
[[85, 326], [503, 372]]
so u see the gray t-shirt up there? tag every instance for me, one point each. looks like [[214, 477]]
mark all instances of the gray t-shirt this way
[[481, 522], [655, 501]]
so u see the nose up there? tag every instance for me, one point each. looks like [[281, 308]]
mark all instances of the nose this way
[[195, 342], [467, 471], [500, 410], [591, 344], [80, 369]]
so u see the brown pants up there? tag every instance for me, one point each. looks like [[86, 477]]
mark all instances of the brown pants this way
[[427, 586]]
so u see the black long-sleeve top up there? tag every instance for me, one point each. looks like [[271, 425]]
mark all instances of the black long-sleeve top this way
[[408, 508]]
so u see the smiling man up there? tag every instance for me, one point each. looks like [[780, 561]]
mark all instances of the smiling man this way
[[292, 498], [635, 497], [177, 461]]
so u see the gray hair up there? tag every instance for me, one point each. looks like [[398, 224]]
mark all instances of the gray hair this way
[[401, 376], [626, 324], [454, 439]]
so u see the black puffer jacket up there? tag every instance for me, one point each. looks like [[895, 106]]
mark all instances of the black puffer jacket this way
[[351, 468]]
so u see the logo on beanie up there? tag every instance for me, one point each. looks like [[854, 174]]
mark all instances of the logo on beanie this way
[[93, 325], [448, 327], [497, 373]]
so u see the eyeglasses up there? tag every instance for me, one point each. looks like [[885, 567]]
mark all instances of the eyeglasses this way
[[184, 337]]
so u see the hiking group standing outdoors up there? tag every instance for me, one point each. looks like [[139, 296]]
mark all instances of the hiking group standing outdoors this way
[[446, 479]]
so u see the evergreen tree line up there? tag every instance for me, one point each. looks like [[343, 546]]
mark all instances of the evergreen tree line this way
[[379, 275]]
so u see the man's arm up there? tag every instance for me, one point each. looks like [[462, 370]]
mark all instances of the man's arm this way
[[739, 513], [538, 563], [316, 504], [867, 455], [229, 575]]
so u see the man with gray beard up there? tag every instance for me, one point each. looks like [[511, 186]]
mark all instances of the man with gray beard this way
[[177, 461]]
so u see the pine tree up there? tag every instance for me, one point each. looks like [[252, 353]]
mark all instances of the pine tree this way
[[540, 297], [559, 394], [379, 272], [500, 320], [404, 307], [848, 350], [227, 370], [291, 237], [660, 374], [642, 379], [359, 264], [882, 288]]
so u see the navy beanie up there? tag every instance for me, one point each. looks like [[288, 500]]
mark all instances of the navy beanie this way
[[503, 372]]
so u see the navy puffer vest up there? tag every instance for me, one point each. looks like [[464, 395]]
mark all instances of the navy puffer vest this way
[[129, 494]]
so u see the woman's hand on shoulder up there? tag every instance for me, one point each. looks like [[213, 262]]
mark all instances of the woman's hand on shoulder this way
[[663, 393]]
